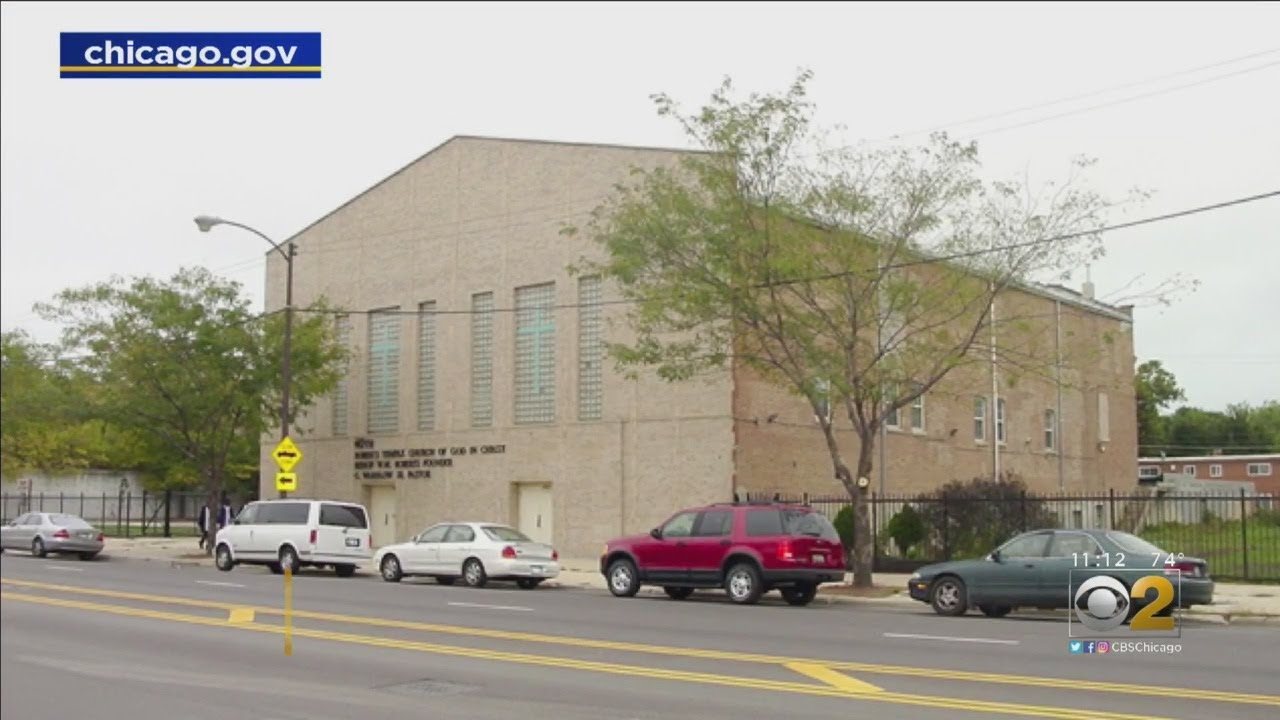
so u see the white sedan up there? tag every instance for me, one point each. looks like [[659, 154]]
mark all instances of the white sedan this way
[[474, 551]]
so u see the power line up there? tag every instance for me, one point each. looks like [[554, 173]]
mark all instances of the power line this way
[[837, 275]]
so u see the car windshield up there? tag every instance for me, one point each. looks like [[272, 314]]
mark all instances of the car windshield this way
[[505, 534], [812, 524], [1134, 544], [69, 521]]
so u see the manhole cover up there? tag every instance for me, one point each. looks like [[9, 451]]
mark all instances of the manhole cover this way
[[429, 687]]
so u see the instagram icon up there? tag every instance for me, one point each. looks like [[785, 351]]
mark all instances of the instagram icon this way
[[1104, 647]]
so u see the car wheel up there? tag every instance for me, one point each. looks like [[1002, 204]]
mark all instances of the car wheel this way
[[222, 558], [678, 593], [949, 596], [344, 570], [995, 611], [37, 548], [623, 579], [742, 582], [473, 573], [800, 595], [528, 583], [446, 581], [289, 560], [391, 571]]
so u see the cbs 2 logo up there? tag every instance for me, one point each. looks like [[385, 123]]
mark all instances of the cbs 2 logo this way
[[1102, 603]]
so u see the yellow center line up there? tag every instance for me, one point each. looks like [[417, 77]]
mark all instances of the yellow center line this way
[[826, 675], [1153, 690], [639, 671]]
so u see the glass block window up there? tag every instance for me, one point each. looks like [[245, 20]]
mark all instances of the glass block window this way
[[426, 366], [384, 372], [535, 354], [342, 337], [482, 359], [590, 349]]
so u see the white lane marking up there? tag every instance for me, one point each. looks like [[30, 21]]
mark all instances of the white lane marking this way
[[491, 607], [63, 569], [219, 584], [945, 638]]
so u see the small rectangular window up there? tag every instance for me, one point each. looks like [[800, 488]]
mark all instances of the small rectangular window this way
[[1050, 430], [1258, 469], [1215, 471], [980, 419], [1189, 470], [1000, 430]]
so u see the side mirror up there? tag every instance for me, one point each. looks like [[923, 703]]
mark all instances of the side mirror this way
[[656, 533]]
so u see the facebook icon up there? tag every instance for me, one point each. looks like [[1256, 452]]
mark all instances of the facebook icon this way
[[1090, 647]]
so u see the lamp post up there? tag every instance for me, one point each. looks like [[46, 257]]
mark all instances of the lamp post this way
[[206, 223]]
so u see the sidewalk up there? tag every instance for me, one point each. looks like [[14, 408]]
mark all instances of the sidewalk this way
[[1233, 603]]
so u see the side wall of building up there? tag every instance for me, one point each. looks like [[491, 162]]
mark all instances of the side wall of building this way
[[1093, 445]]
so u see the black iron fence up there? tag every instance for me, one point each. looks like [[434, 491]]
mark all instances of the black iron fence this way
[[127, 514], [1238, 534]]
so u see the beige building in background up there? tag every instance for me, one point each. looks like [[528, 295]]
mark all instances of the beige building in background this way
[[479, 389]]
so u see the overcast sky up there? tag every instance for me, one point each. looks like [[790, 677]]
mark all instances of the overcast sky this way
[[102, 177]]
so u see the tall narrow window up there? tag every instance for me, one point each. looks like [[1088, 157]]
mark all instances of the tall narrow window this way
[[426, 366], [384, 372], [482, 359], [980, 419], [822, 386], [1104, 418], [342, 337], [535, 354], [892, 420], [1000, 434], [590, 349], [917, 413], [1050, 430]]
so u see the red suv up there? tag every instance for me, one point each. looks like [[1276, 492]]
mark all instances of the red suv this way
[[746, 548]]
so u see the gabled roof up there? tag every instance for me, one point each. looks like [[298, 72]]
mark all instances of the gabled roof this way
[[485, 138]]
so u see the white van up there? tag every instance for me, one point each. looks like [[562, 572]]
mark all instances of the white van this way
[[293, 533]]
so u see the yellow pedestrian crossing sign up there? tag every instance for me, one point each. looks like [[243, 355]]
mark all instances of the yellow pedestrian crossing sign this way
[[287, 455], [286, 482]]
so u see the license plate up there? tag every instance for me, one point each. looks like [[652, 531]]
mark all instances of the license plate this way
[[535, 568], [353, 542], [819, 558], [87, 535]]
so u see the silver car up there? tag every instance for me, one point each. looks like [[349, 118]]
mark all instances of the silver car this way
[[42, 533]]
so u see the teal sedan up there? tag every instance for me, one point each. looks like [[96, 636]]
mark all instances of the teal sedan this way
[[1044, 569]]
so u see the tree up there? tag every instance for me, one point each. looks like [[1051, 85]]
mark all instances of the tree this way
[[185, 363], [820, 269], [1156, 389], [969, 519]]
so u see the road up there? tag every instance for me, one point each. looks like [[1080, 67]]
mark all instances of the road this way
[[126, 639]]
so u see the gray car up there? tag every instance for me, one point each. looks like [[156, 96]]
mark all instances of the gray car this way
[[42, 533]]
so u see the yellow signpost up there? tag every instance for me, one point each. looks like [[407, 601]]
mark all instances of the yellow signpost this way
[[286, 482], [287, 455]]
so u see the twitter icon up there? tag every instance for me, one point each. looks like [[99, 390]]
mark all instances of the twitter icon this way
[[1076, 646]]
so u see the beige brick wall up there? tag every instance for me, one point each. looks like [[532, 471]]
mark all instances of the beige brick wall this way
[[485, 215], [789, 455]]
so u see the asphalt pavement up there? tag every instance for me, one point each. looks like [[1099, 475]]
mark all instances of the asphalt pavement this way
[[132, 639]]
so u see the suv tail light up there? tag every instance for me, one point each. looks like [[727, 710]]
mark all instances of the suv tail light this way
[[101, 537], [508, 552], [62, 533], [784, 551], [313, 536], [554, 555]]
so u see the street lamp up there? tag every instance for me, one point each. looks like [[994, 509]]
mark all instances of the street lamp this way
[[207, 223]]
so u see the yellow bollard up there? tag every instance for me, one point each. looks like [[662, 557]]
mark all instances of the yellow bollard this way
[[288, 611]]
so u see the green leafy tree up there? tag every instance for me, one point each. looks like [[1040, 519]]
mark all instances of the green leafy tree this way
[[907, 529], [814, 268], [185, 363], [1155, 389], [969, 519]]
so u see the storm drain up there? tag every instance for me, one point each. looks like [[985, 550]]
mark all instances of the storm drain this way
[[428, 687]]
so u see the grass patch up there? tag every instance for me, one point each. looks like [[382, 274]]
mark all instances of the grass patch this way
[[1230, 547]]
